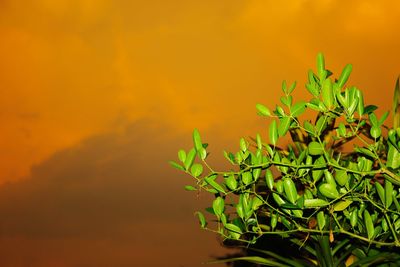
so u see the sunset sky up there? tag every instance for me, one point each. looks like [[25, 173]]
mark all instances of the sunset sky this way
[[97, 96]]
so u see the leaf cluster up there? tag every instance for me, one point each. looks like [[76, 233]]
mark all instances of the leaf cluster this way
[[333, 191]]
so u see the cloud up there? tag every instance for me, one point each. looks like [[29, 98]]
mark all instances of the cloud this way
[[114, 189]]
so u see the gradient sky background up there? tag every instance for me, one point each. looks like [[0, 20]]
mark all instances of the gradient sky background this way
[[96, 96]]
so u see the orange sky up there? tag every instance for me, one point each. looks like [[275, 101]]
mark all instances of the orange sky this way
[[98, 78]]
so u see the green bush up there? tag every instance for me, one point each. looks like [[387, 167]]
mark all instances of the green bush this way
[[332, 192]]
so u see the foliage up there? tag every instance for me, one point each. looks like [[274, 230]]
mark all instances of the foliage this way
[[333, 192]]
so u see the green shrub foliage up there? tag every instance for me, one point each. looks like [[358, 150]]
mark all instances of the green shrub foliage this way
[[333, 191]]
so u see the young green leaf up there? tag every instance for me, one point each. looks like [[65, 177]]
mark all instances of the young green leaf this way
[[284, 125], [321, 220], [290, 190], [369, 225], [315, 203], [247, 178], [315, 149], [329, 191], [320, 64], [373, 119], [354, 218], [309, 127], [375, 131], [274, 221], [329, 178], [360, 105], [263, 110], [190, 158], [234, 230], [269, 179], [211, 181], [341, 177], [345, 75], [298, 109], [231, 182], [327, 94], [388, 193], [202, 219], [218, 206], [196, 170], [182, 155], [292, 87], [383, 118], [176, 165], [342, 205], [259, 142], [273, 133], [190, 188], [243, 144], [197, 140]]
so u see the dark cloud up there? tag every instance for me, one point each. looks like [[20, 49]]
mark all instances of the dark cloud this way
[[117, 188]]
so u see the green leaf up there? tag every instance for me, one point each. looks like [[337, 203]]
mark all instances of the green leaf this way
[[373, 119], [182, 155], [247, 178], [197, 139], [315, 149], [388, 193], [312, 88], [284, 87], [263, 110], [231, 182], [190, 188], [298, 109], [315, 203], [284, 125], [279, 111], [341, 177], [292, 87], [286, 100], [345, 75], [259, 142], [342, 205], [218, 206], [196, 170], [380, 191], [190, 158], [202, 219], [360, 105], [309, 127], [211, 181], [327, 93], [176, 165], [375, 131], [269, 179], [383, 118], [273, 133], [230, 157], [202, 153], [329, 191], [290, 190], [243, 144], [393, 157], [320, 64], [256, 203], [321, 220], [365, 151], [369, 109], [234, 230], [369, 225], [321, 124]]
